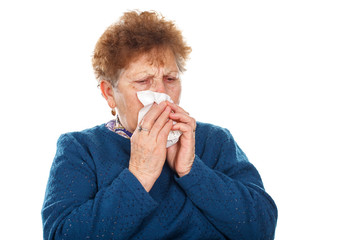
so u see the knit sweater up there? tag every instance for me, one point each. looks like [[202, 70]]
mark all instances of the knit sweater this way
[[91, 194]]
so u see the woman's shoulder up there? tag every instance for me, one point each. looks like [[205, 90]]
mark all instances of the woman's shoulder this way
[[96, 135], [209, 131], [88, 132], [212, 139]]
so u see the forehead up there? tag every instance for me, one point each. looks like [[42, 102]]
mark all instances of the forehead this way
[[152, 62]]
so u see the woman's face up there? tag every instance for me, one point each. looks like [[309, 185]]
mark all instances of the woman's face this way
[[156, 71]]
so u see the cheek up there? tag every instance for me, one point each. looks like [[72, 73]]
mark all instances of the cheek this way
[[129, 109], [129, 105], [135, 111], [175, 94], [133, 107]]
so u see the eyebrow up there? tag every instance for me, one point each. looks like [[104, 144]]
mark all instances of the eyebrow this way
[[146, 74]]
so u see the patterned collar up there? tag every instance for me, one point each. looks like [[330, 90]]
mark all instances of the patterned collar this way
[[115, 126]]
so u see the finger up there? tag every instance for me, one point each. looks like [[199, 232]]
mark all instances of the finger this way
[[180, 117], [160, 122], [176, 108], [186, 129], [151, 116], [164, 132]]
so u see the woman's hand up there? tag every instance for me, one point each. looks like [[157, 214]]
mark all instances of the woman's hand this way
[[148, 146], [181, 155]]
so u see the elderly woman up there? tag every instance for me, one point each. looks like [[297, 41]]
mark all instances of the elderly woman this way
[[123, 180]]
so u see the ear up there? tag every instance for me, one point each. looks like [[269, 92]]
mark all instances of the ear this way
[[108, 93]]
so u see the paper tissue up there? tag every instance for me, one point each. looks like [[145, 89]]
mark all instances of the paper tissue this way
[[148, 98]]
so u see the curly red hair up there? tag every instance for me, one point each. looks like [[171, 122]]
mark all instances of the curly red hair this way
[[134, 34]]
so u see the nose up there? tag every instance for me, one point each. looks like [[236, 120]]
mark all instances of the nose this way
[[158, 86]]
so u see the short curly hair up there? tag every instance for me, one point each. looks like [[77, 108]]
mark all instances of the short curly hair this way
[[134, 34]]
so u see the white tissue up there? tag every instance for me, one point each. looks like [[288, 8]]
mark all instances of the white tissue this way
[[148, 98]]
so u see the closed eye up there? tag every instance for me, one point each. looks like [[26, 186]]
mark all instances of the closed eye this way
[[142, 81], [171, 79]]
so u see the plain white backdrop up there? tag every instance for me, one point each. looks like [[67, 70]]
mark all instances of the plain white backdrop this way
[[282, 76]]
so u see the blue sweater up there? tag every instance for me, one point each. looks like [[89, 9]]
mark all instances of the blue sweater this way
[[91, 194]]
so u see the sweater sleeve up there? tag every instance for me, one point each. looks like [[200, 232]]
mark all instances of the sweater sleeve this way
[[75, 209], [231, 194]]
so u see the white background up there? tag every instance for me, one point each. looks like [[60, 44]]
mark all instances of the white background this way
[[282, 76]]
